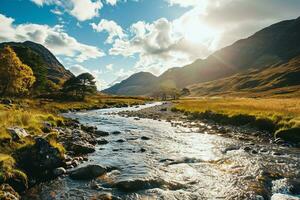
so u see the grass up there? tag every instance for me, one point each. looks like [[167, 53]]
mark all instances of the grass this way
[[274, 115], [9, 172]]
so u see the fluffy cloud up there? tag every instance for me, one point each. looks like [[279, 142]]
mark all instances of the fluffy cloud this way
[[111, 2], [186, 3], [54, 38], [80, 9], [159, 45], [111, 27]]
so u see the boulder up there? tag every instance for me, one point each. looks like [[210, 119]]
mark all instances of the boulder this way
[[17, 133], [145, 138], [116, 132], [80, 148], [59, 171], [39, 160], [8, 193], [102, 141], [101, 133], [88, 172], [144, 184]]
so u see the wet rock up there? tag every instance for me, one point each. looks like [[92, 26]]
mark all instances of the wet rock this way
[[17, 133], [8, 193], [59, 171], [101, 133], [88, 172], [254, 152], [81, 148], [230, 148], [121, 141], [116, 133], [277, 154], [89, 129], [6, 101], [247, 149], [102, 142], [143, 150], [144, 184], [136, 118], [145, 138]]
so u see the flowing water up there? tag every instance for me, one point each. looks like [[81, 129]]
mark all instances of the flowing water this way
[[177, 163]]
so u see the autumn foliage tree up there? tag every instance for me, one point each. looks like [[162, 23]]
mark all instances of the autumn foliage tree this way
[[16, 78]]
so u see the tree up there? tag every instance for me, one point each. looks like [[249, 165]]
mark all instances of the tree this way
[[80, 86], [16, 78], [38, 66]]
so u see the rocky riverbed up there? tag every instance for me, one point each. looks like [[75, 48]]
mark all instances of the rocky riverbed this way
[[154, 153]]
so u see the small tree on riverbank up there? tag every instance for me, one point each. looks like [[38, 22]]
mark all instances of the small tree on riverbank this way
[[80, 86]]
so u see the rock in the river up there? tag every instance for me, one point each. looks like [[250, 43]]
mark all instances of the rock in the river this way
[[80, 148], [8, 193], [145, 138], [102, 141], [278, 196], [17, 133], [88, 172], [116, 132], [101, 133], [143, 184], [59, 171], [106, 196], [121, 141]]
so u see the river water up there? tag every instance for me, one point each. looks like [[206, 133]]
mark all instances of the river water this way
[[177, 163]]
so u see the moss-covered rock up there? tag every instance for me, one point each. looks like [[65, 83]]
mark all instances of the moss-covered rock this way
[[39, 160]]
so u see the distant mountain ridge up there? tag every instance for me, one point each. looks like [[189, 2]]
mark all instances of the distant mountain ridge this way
[[274, 45], [28, 50]]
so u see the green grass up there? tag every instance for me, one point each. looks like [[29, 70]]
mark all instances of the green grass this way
[[273, 115]]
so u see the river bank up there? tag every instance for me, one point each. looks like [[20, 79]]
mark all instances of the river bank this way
[[213, 116], [37, 144]]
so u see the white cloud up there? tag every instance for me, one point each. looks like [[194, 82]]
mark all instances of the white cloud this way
[[54, 38], [160, 45], [111, 2], [111, 27], [80, 9], [109, 67]]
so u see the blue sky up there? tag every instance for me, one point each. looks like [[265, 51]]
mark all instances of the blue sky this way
[[113, 39]]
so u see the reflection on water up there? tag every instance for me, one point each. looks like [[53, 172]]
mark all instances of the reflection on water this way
[[175, 163]]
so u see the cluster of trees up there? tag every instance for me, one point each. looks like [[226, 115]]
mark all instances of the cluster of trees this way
[[18, 79], [168, 90]]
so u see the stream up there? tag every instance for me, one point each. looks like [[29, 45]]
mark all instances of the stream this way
[[155, 160]]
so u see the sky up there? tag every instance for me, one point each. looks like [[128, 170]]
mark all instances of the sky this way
[[113, 39]]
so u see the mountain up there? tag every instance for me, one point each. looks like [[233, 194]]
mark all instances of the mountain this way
[[280, 79], [40, 59], [139, 83], [274, 45]]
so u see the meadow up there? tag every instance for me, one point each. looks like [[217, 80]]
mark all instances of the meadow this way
[[280, 116]]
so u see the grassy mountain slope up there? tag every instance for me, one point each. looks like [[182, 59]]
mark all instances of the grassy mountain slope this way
[[280, 79], [40, 59]]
